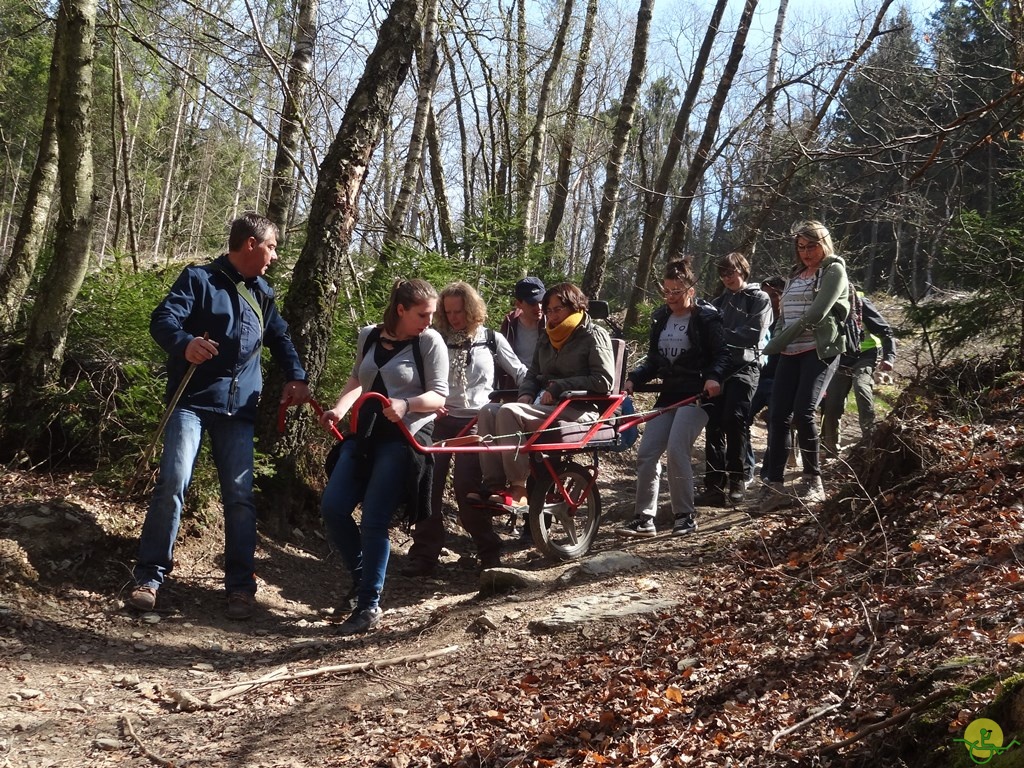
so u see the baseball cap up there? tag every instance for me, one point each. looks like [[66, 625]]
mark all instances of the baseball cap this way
[[530, 289]]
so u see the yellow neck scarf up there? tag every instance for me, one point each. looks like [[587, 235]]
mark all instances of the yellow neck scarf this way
[[560, 333]]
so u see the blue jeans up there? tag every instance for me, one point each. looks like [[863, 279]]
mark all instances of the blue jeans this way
[[800, 383], [381, 486], [231, 443]]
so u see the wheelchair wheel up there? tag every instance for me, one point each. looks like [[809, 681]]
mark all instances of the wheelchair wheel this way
[[564, 529]]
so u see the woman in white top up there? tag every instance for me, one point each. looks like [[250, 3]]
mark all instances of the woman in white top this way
[[473, 354]]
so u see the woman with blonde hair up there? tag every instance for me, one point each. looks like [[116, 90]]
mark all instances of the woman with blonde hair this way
[[808, 335], [475, 353]]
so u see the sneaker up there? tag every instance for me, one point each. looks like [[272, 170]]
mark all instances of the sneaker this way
[[810, 490], [361, 621], [737, 491], [683, 525], [240, 605], [640, 527], [142, 598], [773, 496]]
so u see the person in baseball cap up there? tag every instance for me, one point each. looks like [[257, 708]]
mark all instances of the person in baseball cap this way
[[530, 289]]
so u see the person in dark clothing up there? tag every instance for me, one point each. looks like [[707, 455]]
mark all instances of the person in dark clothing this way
[[687, 351], [523, 326], [773, 287], [746, 315], [213, 324], [856, 371]]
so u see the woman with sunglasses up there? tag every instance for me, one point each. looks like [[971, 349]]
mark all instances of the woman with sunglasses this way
[[808, 335], [687, 351], [573, 354]]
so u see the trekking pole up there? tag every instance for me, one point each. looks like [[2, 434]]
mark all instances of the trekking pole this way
[[143, 465]]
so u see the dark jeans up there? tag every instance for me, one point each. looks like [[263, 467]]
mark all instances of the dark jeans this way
[[762, 395], [800, 382], [428, 535], [727, 434]]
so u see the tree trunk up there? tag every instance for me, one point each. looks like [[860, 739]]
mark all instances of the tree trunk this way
[[21, 264], [165, 198], [655, 208], [679, 219], [560, 193], [300, 67], [593, 277], [310, 305], [762, 160], [537, 139], [429, 66], [793, 164], [444, 214], [48, 328]]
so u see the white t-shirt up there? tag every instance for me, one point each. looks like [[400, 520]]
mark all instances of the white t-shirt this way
[[673, 340]]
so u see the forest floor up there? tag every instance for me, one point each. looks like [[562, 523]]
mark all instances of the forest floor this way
[[868, 630]]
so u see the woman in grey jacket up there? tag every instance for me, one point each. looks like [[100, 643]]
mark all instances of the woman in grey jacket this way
[[573, 354], [808, 337]]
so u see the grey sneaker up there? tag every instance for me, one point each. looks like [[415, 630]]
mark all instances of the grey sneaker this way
[[361, 621], [641, 527], [683, 525], [142, 598], [810, 490], [773, 496]]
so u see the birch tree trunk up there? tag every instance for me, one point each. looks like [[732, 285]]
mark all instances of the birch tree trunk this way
[[300, 67], [654, 210], [539, 134], [593, 277], [51, 313], [762, 159], [567, 142], [679, 219], [165, 198], [310, 305], [429, 67], [21, 264]]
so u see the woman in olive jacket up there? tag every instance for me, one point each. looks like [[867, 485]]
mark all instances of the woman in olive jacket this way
[[808, 335]]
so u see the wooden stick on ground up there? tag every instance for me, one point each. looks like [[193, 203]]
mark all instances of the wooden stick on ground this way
[[282, 675], [126, 724]]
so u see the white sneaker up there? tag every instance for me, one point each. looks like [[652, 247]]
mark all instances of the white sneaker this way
[[810, 490]]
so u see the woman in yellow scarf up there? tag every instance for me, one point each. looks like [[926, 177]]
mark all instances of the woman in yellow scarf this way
[[573, 355]]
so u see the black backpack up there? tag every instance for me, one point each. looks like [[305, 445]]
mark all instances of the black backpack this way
[[853, 326]]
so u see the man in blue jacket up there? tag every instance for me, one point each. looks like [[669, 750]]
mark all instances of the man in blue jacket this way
[[214, 322]]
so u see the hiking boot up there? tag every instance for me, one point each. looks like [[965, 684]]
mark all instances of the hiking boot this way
[[737, 490], [639, 527], [142, 598], [773, 496], [419, 569], [810, 490], [710, 497], [361, 621], [683, 525], [240, 606]]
